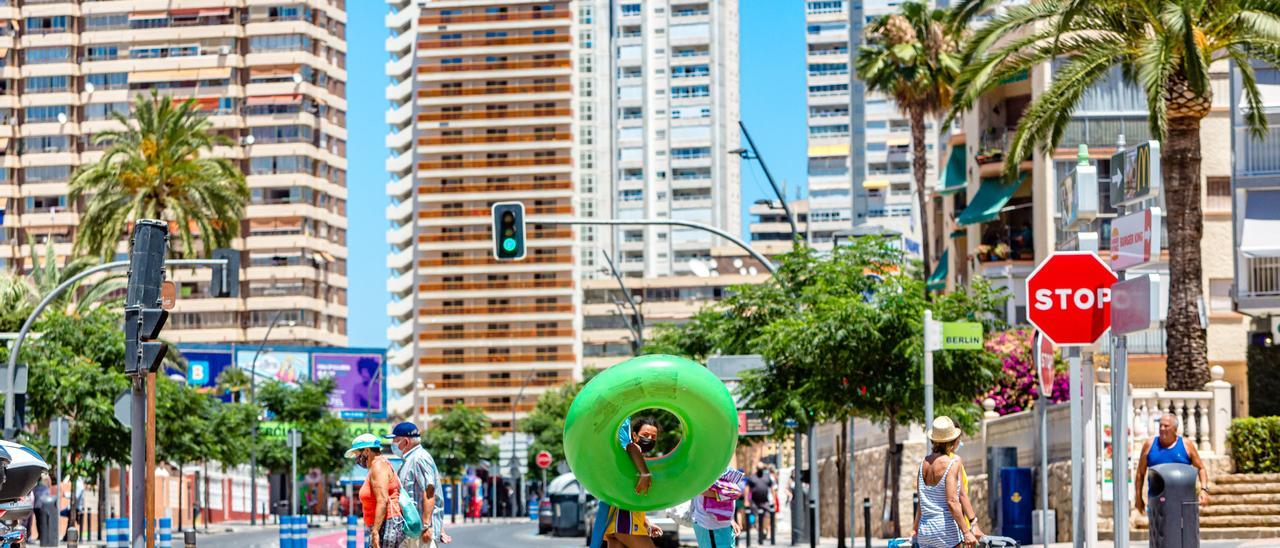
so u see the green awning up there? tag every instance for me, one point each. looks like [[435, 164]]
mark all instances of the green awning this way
[[953, 179], [991, 197], [959, 233], [938, 279], [1016, 77]]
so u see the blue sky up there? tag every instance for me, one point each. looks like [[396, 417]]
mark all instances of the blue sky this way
[[772, 89]]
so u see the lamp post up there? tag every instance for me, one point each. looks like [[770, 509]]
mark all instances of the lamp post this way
[[754, 154], [368, 401], [515, 466], [426, 413], [253, 446], [637, 319]]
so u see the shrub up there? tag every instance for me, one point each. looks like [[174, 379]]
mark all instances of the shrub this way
[[1017, 388], [1255, 444]]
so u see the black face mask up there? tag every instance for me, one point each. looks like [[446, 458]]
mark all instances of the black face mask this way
[[646, 444], [363, 460]]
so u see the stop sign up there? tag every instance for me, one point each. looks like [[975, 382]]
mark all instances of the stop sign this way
[[543, 459], [1069, 297]]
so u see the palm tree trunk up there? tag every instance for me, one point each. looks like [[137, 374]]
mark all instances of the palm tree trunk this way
[[920, 169], [1187, 362]]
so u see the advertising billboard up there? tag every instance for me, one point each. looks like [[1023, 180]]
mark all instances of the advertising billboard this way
[[204, 366], [357, 380], [275, 365]]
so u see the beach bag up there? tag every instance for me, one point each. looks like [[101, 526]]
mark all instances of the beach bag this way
[[412, 518]]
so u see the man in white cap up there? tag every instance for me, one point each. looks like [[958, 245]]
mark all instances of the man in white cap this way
[[420, 478]]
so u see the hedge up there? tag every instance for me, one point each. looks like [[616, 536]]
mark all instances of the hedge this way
[[1255, 444]]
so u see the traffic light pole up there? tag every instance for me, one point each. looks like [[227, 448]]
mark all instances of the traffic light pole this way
[[11, 370], [666, 222]]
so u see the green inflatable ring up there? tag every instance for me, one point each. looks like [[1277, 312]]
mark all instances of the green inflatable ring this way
[[678, 385]]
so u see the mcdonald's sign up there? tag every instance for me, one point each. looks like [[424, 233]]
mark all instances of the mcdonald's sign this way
[[1135, 173]]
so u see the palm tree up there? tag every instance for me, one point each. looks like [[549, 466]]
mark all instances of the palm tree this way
[[159, 167], [912, 56], [85, 295], [1166, 48]]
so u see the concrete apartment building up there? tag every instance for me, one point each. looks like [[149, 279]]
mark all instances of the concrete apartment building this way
[[859, 144], [670, 116], [271, 77], [984, 226], [482, 112]]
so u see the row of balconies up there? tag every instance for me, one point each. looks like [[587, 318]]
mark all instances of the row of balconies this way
[[433, 17], [495, 162], [493, 41], [491, 114], [485, 212], [460, 91], [488, 310], [485, 236], [560, 283], [519, 64], [482, 259]]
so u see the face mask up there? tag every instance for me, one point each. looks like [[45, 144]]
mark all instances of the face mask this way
[[959, 445], [395, 450], [646, 444], [363, 460]]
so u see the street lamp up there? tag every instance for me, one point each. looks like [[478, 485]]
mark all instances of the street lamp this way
[[253, 447], [754, 154], [637, 318], [368, 401], [515, 466]]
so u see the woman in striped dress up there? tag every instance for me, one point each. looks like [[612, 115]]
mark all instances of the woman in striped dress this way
[[941, 521]]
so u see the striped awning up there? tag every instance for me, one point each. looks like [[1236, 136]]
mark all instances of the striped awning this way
[[216, 73], [818, 151], [138, 15]]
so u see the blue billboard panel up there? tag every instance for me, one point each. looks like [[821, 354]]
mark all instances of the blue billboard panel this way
[[356, 377]]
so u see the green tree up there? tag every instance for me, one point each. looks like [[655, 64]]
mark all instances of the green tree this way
[[912, 56], [235, 381], [305, 406], [233, 424], [105, 290], [458, 438], [160, 167], [1166, 48]]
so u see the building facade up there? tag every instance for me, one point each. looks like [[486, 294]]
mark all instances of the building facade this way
[[859, 142], [271, 78], [985, 226], [482, 112], [669, 120]]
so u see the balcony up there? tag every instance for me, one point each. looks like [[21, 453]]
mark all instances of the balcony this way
[[496, 138], [509, 284], [1258, 252], [494, 90], [1263, 277], [1258, 157], [485, 236], [527, 64], [496, 310], [504, 41], [496, 383], [493, 114], [496, 358], [495, 162], [518, 186], [490, 17], [433, 408], [489, 260], [495, 334], [484, 212]]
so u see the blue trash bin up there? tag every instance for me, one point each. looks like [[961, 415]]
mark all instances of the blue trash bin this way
[[1016, 502]]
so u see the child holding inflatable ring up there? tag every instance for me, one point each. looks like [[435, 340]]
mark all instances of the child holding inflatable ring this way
[[626, 528]]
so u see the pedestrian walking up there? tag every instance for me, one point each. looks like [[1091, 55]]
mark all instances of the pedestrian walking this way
[[761, 503], [420, 478], [379, 495], [713, 509], [942, 521], [1167, 448]]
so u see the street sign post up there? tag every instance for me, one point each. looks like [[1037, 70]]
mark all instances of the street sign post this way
[[1071, 298], [1043, 350], [961, 336], [295, 441], [543, 460], [1135, 305]]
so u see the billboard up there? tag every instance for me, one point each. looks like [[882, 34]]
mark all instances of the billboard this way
[[1135, 174], [356, 378], [359, 374]]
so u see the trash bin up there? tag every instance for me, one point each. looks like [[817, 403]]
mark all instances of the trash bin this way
[[566, 497], [1173, 506], [1016, 502]]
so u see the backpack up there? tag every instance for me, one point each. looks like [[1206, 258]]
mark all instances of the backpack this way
[[412, 518]]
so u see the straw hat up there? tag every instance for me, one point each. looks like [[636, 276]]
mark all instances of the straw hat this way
[[944, 430]]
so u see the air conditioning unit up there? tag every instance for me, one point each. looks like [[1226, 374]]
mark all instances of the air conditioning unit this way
[[224, 50]]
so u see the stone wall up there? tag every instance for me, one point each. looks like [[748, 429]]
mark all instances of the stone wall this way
[[869, 470]]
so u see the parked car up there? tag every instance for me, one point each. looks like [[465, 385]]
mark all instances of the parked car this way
[[670, 529]]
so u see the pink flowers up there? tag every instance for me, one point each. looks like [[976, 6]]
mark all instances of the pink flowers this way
[[1018, 388]]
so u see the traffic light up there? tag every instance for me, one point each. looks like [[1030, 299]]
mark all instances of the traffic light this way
[[508, 231], [226, 279], [143, 316]]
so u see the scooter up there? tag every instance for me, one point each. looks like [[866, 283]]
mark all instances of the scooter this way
[[20, 470]]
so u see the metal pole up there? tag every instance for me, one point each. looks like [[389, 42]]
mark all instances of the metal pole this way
[[813, 487], [853, 507], [637, 319], [253, 446], [368, 407], [1044, 468], [12, 369], [669, 222], [138, 465], [57, 490], [1077, 448], [293, 473], [1119, 438], [928, 374], [791, 218]]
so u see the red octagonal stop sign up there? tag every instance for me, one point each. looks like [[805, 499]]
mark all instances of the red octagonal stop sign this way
[[1069, 297], [543, 459]]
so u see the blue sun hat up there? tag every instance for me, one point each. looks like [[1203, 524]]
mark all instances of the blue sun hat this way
[[363, 441]]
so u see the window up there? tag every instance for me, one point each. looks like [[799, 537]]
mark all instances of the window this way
[[824, 6], [685, 92], [280, 42], [99, 53], [45, 143], [828, 89], [42, 25], [43, 204], [830, 131], [106, 22], [111, 80], [876, 146], [635, 195], [279, 164], [46, 174], [282, 134], [629, 10], [40, 56], [47, 84], [1218, 194], [284, 13], [286, 195], [43, 114], [828, 69], [102, 111], [690, 153], [690, 71], [826, 28]]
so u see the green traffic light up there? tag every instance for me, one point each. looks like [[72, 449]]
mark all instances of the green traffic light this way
[[509, 244]]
